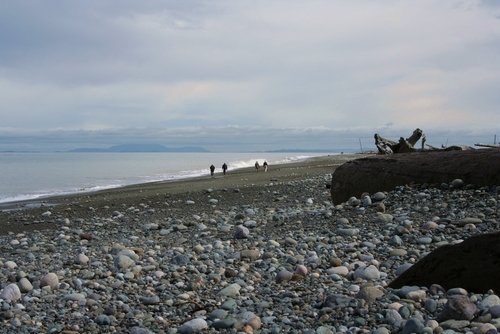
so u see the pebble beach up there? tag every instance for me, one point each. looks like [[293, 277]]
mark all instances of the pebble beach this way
[[248, 252]]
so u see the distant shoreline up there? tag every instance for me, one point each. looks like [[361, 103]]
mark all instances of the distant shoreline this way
[[78, 204]]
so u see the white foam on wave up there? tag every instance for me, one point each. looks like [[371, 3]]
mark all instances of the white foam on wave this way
[[172, 176]]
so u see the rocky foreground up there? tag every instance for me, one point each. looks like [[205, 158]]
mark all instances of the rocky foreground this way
[[277, 258]]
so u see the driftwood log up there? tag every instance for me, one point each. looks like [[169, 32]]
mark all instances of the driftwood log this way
[[472, 265], [384, 172]]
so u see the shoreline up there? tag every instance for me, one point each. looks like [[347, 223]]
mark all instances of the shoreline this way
[[33, 200], [235, 179]]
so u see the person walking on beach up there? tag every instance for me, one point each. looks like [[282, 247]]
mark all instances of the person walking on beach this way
[[224, 168], [212, 170], [257, 166], [265, 166]]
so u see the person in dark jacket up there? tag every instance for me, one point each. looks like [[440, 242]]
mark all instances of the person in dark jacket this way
[[224, 168], [212, 170]]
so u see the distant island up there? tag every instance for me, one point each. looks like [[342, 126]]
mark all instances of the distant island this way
[[311, 150], [133, 148]]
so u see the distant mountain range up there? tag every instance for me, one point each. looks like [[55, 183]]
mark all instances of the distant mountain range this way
[[130, 148]]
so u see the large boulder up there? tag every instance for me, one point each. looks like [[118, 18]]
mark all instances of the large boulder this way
[[384, 172], [473, 265]]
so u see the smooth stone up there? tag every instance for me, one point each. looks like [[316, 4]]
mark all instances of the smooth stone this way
[[418, 295], [11, 292], [458, 307], [150, 300], [454, 324], [384, 218], [378, 196], [348, 231], [193, 326], [369, 273], [424, 241], [123, 262], [139, 330], [396, 241], [381, 330], [366, 201], [251, 319], [370, 293], [231, 290], [469, 220], [229, 305], [495, 311], [250, 254], [25, 285], [181, 260], [392, 317], [50, 280], [284, 276], [430, 305], [398, 252], [82, 259], [340, 270], [250, 224], [301, 270], [241, 232], [75, 297], [412, 326], [489, 301], [225, 323], [103, 320], [343, 221], [9, 265], [457, 183], [218, 314]]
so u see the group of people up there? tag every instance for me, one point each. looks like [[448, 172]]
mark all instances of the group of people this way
[[212, 169], [257, 166], [224, 167]]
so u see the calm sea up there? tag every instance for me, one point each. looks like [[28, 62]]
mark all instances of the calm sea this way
[[35, 175]]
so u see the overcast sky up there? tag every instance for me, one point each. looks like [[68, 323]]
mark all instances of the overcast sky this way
[[243, 75]]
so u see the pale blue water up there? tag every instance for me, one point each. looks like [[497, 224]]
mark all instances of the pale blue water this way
[[35, 175]]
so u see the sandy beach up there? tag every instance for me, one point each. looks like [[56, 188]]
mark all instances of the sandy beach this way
[[249, 252]]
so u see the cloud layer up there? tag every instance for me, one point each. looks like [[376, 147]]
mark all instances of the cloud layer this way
[[297, 66]]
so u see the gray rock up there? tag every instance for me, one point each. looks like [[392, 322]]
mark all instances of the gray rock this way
[[454, 324], [489, 301], [193, 326], [231, 290], [378, 196], [392, 317], [458, 307], [123, 262], [103, 320], [348, 231], [51, 280], [241, 232], [11, 293], [25, 285], [369, 273], [284, 276], [413, 325]]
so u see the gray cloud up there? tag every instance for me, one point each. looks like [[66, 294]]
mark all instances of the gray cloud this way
[[100, 65]]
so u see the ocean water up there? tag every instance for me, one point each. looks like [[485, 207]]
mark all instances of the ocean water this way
[[36, 175]]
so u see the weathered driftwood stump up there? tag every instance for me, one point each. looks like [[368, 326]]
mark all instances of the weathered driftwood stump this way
[[384, 172], [387, 146]]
